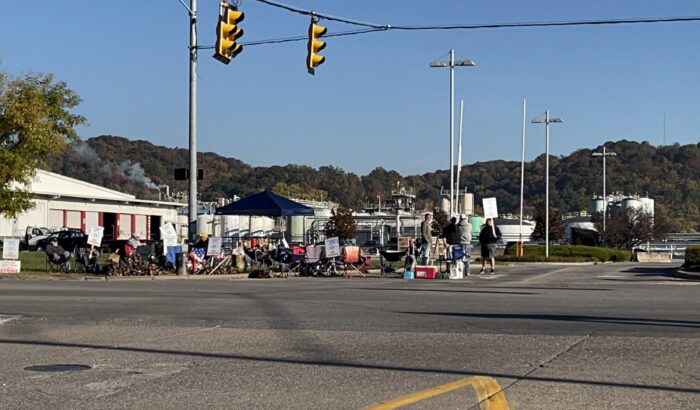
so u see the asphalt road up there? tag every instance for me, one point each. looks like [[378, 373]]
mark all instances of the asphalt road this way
[[624, 336]]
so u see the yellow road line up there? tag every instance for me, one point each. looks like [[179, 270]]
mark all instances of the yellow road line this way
[[488, 392]]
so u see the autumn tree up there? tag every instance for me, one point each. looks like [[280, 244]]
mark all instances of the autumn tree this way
[[35, 122], [341, 224], [556, 226]]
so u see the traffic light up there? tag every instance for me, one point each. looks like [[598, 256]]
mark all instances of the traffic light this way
[[313, 59], [227, 33]]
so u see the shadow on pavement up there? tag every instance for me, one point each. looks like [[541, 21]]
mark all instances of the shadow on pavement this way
[[660, 272], [570, 318], [343, 364], [450, 290]]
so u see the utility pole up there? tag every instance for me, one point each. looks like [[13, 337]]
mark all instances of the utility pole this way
[[192, 206], [605, 195], [452, 63], [546, 121]]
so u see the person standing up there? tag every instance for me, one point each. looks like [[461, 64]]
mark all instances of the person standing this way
[[488, 237], [449, 234], [426, 239], [464, 235]]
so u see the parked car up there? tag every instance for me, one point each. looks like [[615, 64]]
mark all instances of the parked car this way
[[68, 239]]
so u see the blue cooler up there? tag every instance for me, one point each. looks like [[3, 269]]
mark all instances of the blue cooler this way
[[408, 274]]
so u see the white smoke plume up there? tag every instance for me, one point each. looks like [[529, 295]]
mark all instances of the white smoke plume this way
[[132, 171]]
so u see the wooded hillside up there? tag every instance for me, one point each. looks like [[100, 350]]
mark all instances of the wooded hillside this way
[[668, 174]]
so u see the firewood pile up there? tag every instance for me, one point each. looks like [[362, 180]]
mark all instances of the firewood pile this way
[[132, 265]]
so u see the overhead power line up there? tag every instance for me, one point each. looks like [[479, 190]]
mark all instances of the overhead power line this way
[[373, 27]]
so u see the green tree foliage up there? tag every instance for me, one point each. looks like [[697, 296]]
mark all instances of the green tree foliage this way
[[35, 121], [439, 222], [626, 228], [341, 224], [669, 174], [556, 227]]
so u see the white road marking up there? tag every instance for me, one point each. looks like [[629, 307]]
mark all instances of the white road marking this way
[[7, 318], [543, 275], [489, 276]]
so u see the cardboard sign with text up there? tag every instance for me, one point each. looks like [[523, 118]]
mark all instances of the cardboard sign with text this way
[[214, 246], [10, 266], [490, 207], [10, 248], [95, 236], [332, 247]]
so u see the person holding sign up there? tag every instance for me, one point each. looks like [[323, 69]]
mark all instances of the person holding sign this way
[[489, 236], [89, 258]]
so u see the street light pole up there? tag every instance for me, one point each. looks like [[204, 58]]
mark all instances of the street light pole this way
[[519, 250], [605, 196], [547, 119], [452, 63]]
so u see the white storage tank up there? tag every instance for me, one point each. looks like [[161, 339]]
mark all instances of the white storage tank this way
[[631, 203], [467, 205], [204, 223], [647, 205], [596, 205], [445, 204], [295, 228], [229, 225]]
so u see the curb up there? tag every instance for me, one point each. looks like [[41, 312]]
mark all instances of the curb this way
[[680, 273], [237, 276]]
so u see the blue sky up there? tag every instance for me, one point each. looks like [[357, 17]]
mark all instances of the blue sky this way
[[374, 102]]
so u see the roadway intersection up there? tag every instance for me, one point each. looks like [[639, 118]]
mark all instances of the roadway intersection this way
[[529, 337]]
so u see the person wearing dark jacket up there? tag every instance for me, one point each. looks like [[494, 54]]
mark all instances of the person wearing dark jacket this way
[[57, 254], [449, 233], [489, 236]]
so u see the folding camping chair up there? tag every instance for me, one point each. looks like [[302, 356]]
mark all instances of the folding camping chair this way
[[354, 260], [456, 256], [311, 265], [57, 266]]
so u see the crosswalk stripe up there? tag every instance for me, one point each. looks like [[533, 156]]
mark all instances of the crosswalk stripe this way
[[7, 318]]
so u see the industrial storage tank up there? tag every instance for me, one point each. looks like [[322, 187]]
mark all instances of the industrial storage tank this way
[[229, 225], [296, 228], [596, 205], [647, 205], [445, 204], [204, 223], [510, 230], [476, 221], [467, 205], [631, 203]]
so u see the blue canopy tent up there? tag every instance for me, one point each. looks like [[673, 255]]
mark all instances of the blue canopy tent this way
[[265, 204]]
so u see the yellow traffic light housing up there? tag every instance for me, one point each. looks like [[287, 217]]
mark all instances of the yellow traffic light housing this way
[[313, 59], [227, 32]]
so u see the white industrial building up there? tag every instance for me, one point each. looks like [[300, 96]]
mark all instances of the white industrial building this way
[[63, 202]]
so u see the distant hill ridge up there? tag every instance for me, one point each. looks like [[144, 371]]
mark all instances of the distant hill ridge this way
[[669, 174]]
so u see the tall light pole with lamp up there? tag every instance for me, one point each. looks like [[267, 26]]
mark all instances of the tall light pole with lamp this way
[[546, 121], [604, 154], [452, 63]]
